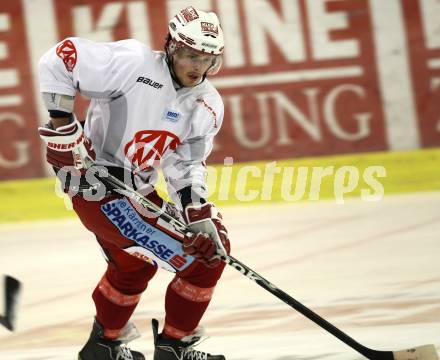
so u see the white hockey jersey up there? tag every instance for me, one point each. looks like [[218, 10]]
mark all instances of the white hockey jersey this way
[[136, 118]]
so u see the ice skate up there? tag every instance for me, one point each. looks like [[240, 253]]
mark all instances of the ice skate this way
[[170, 349], [98, 348]]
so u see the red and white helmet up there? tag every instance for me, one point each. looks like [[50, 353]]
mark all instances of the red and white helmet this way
[[198, 30]]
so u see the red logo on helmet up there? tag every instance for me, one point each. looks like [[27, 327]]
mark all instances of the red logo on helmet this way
[[148, 146], [209, 28], [189, 14], [67, 52]]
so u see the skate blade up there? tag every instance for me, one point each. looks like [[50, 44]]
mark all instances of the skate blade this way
[[425, 352]]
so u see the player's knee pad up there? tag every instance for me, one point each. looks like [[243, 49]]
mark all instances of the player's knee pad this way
[[203, 276], [134, 281]]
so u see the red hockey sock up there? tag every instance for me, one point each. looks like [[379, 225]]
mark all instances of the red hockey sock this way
[[187, 299], [117, 295], [185, 305], [113, 308]]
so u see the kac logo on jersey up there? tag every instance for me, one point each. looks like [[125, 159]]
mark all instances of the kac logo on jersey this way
[[147, 147], [172, 116], [67, 52]]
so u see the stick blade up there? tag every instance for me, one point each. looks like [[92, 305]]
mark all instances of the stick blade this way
[[425, 352]]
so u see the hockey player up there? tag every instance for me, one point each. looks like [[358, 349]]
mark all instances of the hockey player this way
[[148, 110]]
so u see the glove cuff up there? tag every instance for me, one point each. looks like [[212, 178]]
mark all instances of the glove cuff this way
[[65, 138], [200, 212]]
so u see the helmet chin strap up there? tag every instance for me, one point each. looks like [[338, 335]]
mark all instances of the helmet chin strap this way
[[169, 61]]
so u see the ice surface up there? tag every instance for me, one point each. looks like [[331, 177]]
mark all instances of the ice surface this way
[[372, 269]]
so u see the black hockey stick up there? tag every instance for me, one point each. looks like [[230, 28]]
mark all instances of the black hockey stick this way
[[426, 352], [12, 289]]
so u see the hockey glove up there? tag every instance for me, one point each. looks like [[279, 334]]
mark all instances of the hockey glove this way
[[67, 145], [211, 238]]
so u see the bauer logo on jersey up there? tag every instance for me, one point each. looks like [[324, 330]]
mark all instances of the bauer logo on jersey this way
[[172, 115], [147, 148], [148, 81], [154, 245]]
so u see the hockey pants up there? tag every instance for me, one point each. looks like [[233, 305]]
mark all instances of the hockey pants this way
[[127, 276]]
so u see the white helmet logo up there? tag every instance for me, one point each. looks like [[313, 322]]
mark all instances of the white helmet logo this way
[[209, 28]]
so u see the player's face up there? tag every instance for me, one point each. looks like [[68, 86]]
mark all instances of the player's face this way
[[190, 65]]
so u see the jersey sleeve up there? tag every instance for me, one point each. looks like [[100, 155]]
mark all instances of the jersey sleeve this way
[[186, 167], [96, 70]]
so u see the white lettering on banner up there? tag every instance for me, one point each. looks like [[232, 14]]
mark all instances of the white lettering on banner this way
[[430, 10], [229, 14], [332, 121], [287, 77], [41, 36], [3, 50], [434, 64], [21, 147], [174, 6], [102, 29], [10, 100], [321, 23], [308, 121], [238, 122], [138, 21], [263, 21], [285, 31], [394, 75], [300, 32], [5, 25], [8, 77], [435, 85], [310, 126]]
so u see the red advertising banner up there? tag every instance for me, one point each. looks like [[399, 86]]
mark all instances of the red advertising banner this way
[[300, 77], [422, 19], [19, 147], [296, 96]]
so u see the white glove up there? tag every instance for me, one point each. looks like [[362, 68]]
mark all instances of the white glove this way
[[207, 220], [67, 145]]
